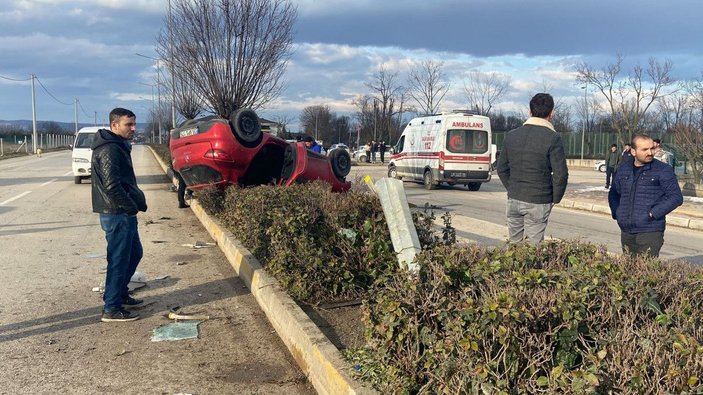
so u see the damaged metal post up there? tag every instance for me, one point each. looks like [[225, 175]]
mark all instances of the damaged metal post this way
[[400, 223]]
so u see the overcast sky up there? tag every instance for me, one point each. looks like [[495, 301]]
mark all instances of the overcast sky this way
[[86, 48]]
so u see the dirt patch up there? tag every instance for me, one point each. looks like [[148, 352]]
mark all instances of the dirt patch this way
[[342, 326]]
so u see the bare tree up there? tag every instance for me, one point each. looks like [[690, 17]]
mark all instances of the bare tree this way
[[428, 85], [231, 53], [386, 92], [484, 90], [631, 97], [317, 121], [685, 122]]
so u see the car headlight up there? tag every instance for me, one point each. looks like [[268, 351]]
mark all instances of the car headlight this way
[[80, 160]]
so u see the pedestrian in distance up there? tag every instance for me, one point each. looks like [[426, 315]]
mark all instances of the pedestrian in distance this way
[[312, 145], [644, 191], [626, 154], [612, 160], [661, 154], [367, 148], [374, 150], [117, 199], [382, 149], [532, 167]]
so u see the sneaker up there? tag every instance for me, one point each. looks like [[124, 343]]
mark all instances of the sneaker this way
[[131, 302], [120, 315]]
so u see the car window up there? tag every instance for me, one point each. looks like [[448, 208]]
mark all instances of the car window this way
[[84, 140], [463, 141], [399, 144]]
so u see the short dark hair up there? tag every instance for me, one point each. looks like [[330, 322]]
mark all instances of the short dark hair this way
[[638, 137], [120, 112], [541, 105], [308, 139], [658, 141], [614, 145]]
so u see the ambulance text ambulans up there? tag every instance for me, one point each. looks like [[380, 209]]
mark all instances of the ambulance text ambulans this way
[[453, 147]]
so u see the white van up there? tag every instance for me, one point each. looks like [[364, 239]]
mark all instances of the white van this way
[[454, 147], [82, 153]]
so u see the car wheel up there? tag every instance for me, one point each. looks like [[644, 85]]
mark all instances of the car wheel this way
[[341, 163], [601, 168], [246, 127], [77, 179], [428, 180], [474, 186], [393, 173], [362, 158]]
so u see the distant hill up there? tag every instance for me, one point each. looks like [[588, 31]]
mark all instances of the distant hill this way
[[67, 126]]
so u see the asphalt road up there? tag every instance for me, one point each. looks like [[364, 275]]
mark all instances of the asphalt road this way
[[488, 206], [52, 253]]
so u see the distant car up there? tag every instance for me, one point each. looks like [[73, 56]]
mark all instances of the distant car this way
[[600, 166], [360, 155], [216, 151], [81, 155], [337, 146]]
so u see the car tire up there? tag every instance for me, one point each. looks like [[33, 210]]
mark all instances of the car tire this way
[[601, 168], [474, 186], [362, 158], [341, 163], [428, 180], [393, 172], [77, 179], [246, 127]]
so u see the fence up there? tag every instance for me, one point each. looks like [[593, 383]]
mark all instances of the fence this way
[[13, 144]]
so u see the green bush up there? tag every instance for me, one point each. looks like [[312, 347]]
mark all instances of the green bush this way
[[562, 317], [321, 246]]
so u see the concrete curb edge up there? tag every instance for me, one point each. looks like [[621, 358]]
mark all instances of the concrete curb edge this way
[[317, 357]]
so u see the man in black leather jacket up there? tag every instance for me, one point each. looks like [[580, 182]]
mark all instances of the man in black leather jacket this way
[[117, 199]]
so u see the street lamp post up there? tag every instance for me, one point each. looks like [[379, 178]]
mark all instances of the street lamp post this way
[[158, 90], [153, 108], [585, 121]]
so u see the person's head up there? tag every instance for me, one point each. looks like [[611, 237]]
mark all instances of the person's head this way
[[657, 143], [613, 147], [308, 140], [542, 106], [123, 122], [642, 149], [627, 147]]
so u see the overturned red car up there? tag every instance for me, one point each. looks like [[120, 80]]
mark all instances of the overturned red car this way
[[216, 151]]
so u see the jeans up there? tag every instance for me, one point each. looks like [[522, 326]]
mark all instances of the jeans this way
[[527, 220], [124, 251], [641, 243]]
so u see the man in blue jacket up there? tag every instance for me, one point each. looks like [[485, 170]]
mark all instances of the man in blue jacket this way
[[644, 191]]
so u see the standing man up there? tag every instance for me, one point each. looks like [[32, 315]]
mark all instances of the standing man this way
[[626, 154], [661, 154], [532, 167], [643, 193], [117, 199], [612, 160], [382, 149]]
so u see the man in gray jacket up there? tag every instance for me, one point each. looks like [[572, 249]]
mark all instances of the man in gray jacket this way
[[532, 167]]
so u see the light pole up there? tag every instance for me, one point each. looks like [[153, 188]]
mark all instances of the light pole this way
[[153, 107], [585, 121], [158, 90]]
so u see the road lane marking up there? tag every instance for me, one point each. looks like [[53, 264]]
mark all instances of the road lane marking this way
[[48, 182], [67, 174], [21, 195]]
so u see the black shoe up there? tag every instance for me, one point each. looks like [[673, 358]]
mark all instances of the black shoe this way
[[120, 315], [183, 205], [131, 302]]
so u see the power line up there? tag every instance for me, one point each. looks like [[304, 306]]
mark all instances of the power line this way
[[49, 93], [83, 109], [13, 79]]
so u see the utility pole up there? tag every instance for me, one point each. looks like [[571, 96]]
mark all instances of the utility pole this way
[[585, 121], [34, 117], [173, 78], [158, 90], [75, 113]]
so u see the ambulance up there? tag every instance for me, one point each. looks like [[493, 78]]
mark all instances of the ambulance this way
[[452, 147]]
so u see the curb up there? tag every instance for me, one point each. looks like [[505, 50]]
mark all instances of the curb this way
[[316, 356], [671, 219]]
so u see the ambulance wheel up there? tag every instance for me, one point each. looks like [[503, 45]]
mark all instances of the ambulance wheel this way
[[392, 172], [428, 180], [341, 163], [246, 127], [474, 186]]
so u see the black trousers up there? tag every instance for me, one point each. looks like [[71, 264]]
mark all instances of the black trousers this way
[[609, 172], [641, 243]]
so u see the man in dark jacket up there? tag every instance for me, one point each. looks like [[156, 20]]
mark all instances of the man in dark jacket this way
[[644, 191], [117, 199], [612, 160], [532, 167]]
